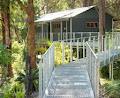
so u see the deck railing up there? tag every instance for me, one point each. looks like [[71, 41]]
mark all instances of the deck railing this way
[[46, 66], [93, 69], [109, 50], [56, 36], [90, 47], [76, 47]]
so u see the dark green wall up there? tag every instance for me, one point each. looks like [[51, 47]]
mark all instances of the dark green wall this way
[[79, 22]]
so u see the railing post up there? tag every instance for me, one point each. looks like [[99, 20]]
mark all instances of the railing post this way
[[110, 75], [77, 48], [73, 36], [98, 43], [97, 77], [63, 53], [71, 50], [40, 80], [83, 47], [109, 54], [58, 36], [66, 36], [94, 44]]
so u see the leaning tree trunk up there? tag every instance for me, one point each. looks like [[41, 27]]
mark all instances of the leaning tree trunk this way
[[101, 23], [5, 14]]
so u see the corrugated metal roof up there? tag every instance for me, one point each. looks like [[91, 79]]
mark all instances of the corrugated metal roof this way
[[62, 14]]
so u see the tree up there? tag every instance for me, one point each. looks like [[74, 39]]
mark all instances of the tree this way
[[28, 7], [5, 14], [101, 22]]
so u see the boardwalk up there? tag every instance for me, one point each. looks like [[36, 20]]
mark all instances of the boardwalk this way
[[70, 81], [80, 78]]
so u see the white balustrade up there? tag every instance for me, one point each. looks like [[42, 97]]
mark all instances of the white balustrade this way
[[46, 66]]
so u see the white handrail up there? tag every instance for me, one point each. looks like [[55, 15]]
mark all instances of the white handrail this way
[[93, 69], [46, 66]]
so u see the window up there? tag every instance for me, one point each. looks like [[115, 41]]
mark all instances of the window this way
[[91, 24]]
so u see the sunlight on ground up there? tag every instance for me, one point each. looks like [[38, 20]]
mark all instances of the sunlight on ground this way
[[104, 81]]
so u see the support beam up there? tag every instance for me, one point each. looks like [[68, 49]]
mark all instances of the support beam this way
[[51, 35], [83, 47], [70, 28], [77, 48], [66, 31], [71, 56], [61, 31], [112, 72], [42, 30], [63, 52]]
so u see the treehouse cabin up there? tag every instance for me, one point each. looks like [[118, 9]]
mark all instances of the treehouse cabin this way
[[74, 23]]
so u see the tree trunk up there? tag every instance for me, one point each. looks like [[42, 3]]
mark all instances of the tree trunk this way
[[101, 23], [3, 29], [31, 55], [5, 13], [31, 64], [31, 34]]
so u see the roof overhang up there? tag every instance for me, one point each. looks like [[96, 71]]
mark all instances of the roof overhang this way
[[62, 15]]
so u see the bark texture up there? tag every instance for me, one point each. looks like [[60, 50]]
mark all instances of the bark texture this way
[[101, 23], [5, 14]]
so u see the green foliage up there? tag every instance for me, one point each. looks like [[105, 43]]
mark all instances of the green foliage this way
[[104, 72], [22, 78], [17, 54], [116, 70], [5, 56], [58, 53], [113, 89], [42, 46], [13, 90]]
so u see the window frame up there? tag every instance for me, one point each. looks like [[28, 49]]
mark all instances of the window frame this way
[[95, 24]]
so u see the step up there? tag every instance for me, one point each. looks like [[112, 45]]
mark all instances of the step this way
[[67, 96], [75, 92], [70, 85]]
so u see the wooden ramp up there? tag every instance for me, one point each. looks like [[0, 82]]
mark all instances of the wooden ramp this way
[[70, 81]]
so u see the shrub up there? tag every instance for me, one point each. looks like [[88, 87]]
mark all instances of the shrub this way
[[104, 72], [112, 90]]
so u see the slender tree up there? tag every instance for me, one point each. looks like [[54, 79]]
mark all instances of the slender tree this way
[[5, 14], [28, 7], [101, 22]]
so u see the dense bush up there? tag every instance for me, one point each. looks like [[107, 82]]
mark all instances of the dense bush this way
[[58, 53], [42, 46], [22, 78], [116, 70], [104, 72], [13, 90]]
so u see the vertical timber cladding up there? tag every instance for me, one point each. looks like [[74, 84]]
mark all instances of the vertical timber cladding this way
[[80, 21]]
